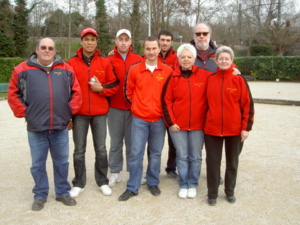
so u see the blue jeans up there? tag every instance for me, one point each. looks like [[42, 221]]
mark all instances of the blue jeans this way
[[188, 146], [81, 125], [119, 126], [58, 143], [141, 132]]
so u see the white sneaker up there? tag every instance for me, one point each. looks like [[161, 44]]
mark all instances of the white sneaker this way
[[105, 189], [114, 178], [192, 193], [143, 181], [75, 191], [183, 193]]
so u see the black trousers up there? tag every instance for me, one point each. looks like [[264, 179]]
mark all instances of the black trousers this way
[[214, 146]]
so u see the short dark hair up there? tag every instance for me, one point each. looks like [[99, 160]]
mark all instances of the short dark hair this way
[[151, 38], [165, 32]]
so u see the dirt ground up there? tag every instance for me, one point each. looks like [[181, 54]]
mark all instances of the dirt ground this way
[[267, 191]]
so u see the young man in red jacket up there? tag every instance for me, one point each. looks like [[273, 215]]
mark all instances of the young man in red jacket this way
[[97, 80], [168, 56], [143, 88], [119, 116]]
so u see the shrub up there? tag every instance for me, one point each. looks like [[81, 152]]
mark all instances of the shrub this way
[[6, 67], [261, 50], [270, 67]]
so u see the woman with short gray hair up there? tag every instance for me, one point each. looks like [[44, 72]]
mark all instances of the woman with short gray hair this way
[[184, 109], [228, 120]]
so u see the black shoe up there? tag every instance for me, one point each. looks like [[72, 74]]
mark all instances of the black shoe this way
[[126, 195], [67, 200], [221, 181], [231, 199], [38, 204], [212, 201], [173, 174], [154, 190]]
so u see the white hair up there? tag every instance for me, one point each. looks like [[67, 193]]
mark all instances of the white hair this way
[[225, 49], [188, 47]]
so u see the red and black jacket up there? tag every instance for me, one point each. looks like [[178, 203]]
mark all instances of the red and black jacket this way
[[170, 58], [94, 103], [143, 90], [230, 104], [46, 99], [184, 99], [121, 67]]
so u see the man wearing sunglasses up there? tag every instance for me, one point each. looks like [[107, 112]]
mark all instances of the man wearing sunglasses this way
[[206, 49], [45, 91]]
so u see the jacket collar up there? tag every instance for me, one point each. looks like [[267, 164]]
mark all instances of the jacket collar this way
[[226, 72], [79, 52], [170, 51], [117, 53], [32, 60]]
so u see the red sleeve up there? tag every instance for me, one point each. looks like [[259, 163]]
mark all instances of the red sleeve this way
[[76, 96], [129, 85], [14, 97], [247, 107], [167, 102], [111, 85]]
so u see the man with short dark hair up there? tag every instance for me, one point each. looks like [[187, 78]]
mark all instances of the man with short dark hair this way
[[143, 88], [98, 81], [119, 116], [45, 91], [168, 56]]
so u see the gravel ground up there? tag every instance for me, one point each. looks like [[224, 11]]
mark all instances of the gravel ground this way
[[267, 188]]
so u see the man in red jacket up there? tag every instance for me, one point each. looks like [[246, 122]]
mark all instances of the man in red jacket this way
[[97, 80], [143, 88], [45, 91], [119, 116], [168, 56]]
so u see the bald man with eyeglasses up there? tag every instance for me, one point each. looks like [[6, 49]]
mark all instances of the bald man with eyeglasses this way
[[44, 90]]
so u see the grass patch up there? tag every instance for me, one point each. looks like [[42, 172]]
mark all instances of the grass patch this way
[[3, 95]]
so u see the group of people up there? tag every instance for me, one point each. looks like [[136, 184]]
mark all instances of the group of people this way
[[193, 94]]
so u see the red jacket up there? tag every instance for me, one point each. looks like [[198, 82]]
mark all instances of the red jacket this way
[[230, 104], [184, 99], [121, 68], [94, 103], [170, 58], [143, 90]]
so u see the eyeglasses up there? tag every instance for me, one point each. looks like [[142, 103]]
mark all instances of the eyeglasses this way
[[50, 48], [198, 34]]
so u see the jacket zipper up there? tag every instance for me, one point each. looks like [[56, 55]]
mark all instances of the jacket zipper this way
[[190, 110], [89, 89], [222, 104], [126, 103], [51, 101]]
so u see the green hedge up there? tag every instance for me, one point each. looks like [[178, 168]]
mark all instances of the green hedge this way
[[261, 50], [270, 67], [6, 68]]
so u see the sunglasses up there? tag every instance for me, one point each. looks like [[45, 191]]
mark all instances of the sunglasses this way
[[49, 48], [198, 34]]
